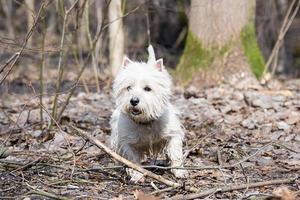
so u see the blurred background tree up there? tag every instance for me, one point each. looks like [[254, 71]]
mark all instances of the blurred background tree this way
[[227, 41], [221, 41]]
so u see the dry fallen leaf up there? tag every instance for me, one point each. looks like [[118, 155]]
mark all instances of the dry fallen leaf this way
[[284, 193], [139, 195]]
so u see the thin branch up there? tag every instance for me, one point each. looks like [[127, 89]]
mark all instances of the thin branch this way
[[28, 165], [87, 27], [283, 30], [9, 61], [252, 155], [119, 18], [72, 89], [41, 68], [46, 194], [92, 46], [19, 53], [14, 45], [230, 188], [207, 167], [60, 70]]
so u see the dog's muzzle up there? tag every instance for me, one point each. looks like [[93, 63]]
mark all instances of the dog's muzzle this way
[[135, 111]]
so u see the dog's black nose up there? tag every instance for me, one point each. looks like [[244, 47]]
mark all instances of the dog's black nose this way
[[134, 101]]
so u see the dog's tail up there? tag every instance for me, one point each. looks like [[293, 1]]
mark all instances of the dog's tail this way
[[151, 58]]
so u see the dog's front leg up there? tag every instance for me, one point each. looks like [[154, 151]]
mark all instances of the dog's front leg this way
[[174, 152], [131, 154]]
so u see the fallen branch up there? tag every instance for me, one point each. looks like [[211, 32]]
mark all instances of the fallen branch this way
[[28, 165], [189, 167], [235, 187], [46, 194], [252, 155], [129, 163]]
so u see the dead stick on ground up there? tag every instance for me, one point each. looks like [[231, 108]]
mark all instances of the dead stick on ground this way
[[129, 163], [38, 192], [31, 163], [235, 187]]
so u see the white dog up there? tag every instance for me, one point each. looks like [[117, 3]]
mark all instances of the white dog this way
[[144, 121]]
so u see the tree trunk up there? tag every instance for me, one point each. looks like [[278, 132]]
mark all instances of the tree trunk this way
[[8, 11], [30, 18], [116, 36], [99, 15], [221, 44]]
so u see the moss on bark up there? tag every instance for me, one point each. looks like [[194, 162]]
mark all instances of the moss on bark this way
[[197, 58], [252, 51], [194, 57]]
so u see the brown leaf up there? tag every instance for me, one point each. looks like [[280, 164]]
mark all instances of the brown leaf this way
[[139, 195], [284, 193]]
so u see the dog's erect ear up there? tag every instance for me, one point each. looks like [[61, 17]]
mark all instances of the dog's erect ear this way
[[126, 61], [151, 58], [159, 64]]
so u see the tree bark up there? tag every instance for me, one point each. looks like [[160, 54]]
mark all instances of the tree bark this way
[[30, 19], [8, 11], [221, 44], [116, 36]]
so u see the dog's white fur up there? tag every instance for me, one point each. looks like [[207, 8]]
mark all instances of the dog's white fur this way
[[153, 124]]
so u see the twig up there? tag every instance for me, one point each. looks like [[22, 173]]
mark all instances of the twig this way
[[30, 164], [210, 195], [119, 18], [252, 155], [235, 187], [155, 167], [13, 46], [19, 53], [65, 139], [9, 61], [46, 194], [72, 89], [41, 67], [92, 45], [283, 30], [129, 163], [163, 190], [279, 144], [60, 70], [88, 32], [194, 147], [244, 173], [91, 53]]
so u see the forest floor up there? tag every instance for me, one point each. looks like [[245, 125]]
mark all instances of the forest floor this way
[[235, 138]]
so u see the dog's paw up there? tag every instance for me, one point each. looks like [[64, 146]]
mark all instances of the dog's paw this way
[[180, 173], [135, 176]]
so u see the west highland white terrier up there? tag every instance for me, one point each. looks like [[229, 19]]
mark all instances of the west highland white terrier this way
[[144, 121]]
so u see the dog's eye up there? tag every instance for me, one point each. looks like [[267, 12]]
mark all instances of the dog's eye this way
[[129, 88], [147, 88]]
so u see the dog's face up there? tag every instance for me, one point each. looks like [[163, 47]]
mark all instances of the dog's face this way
[[142, 91]]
